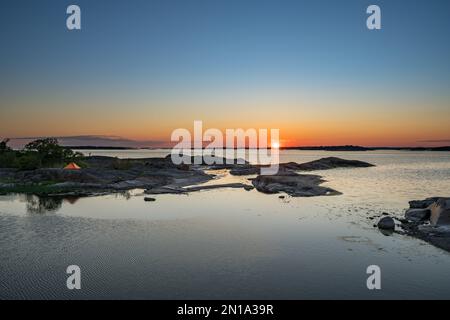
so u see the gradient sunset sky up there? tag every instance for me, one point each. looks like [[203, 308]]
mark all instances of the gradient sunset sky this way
[[139, 69]]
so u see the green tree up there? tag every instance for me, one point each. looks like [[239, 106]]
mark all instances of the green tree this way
[[50, 152]]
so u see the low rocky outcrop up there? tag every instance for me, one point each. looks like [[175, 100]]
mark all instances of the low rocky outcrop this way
[[162, 176], [320, 164], [300, 185], [104, 174], [294, 184], [326, 164]]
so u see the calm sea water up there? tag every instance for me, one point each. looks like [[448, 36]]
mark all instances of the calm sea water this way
[[231, 243]]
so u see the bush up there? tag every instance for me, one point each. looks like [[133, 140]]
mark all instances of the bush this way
[[28, 161], [42, 152], [51, 153]]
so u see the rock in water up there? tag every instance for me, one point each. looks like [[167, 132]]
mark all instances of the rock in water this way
[[248, 188], [148, 199], [423, 204], [320, 164], [386, 223], [436, 210], [326, 164], [293, 184]]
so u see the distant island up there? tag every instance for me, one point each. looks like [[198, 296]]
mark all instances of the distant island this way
[[323, 148], [359, 148], [98, 148]]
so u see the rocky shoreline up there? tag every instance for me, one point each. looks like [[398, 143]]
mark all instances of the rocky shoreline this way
[[429, 220], [160, 176]]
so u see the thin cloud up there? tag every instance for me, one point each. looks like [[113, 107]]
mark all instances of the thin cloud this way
[[435, 141], [94, 140]]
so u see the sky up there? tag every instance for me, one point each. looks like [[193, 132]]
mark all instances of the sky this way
[[139, 69]]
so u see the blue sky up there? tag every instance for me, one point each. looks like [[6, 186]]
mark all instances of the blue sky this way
[[171, 42]]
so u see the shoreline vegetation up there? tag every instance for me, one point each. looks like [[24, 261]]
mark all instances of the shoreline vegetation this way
[[39, 170]]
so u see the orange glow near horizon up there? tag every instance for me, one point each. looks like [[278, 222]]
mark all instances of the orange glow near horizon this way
[[300, 123]]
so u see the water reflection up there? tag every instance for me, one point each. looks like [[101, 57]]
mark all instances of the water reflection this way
[[44, 204], [41, 205]]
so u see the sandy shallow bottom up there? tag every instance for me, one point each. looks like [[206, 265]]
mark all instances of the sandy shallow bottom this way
[[229, 243]]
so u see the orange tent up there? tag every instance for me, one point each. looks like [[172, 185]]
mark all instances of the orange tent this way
[[72, 166]]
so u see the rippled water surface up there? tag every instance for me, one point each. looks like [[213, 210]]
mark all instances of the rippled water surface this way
[[231, 243]]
